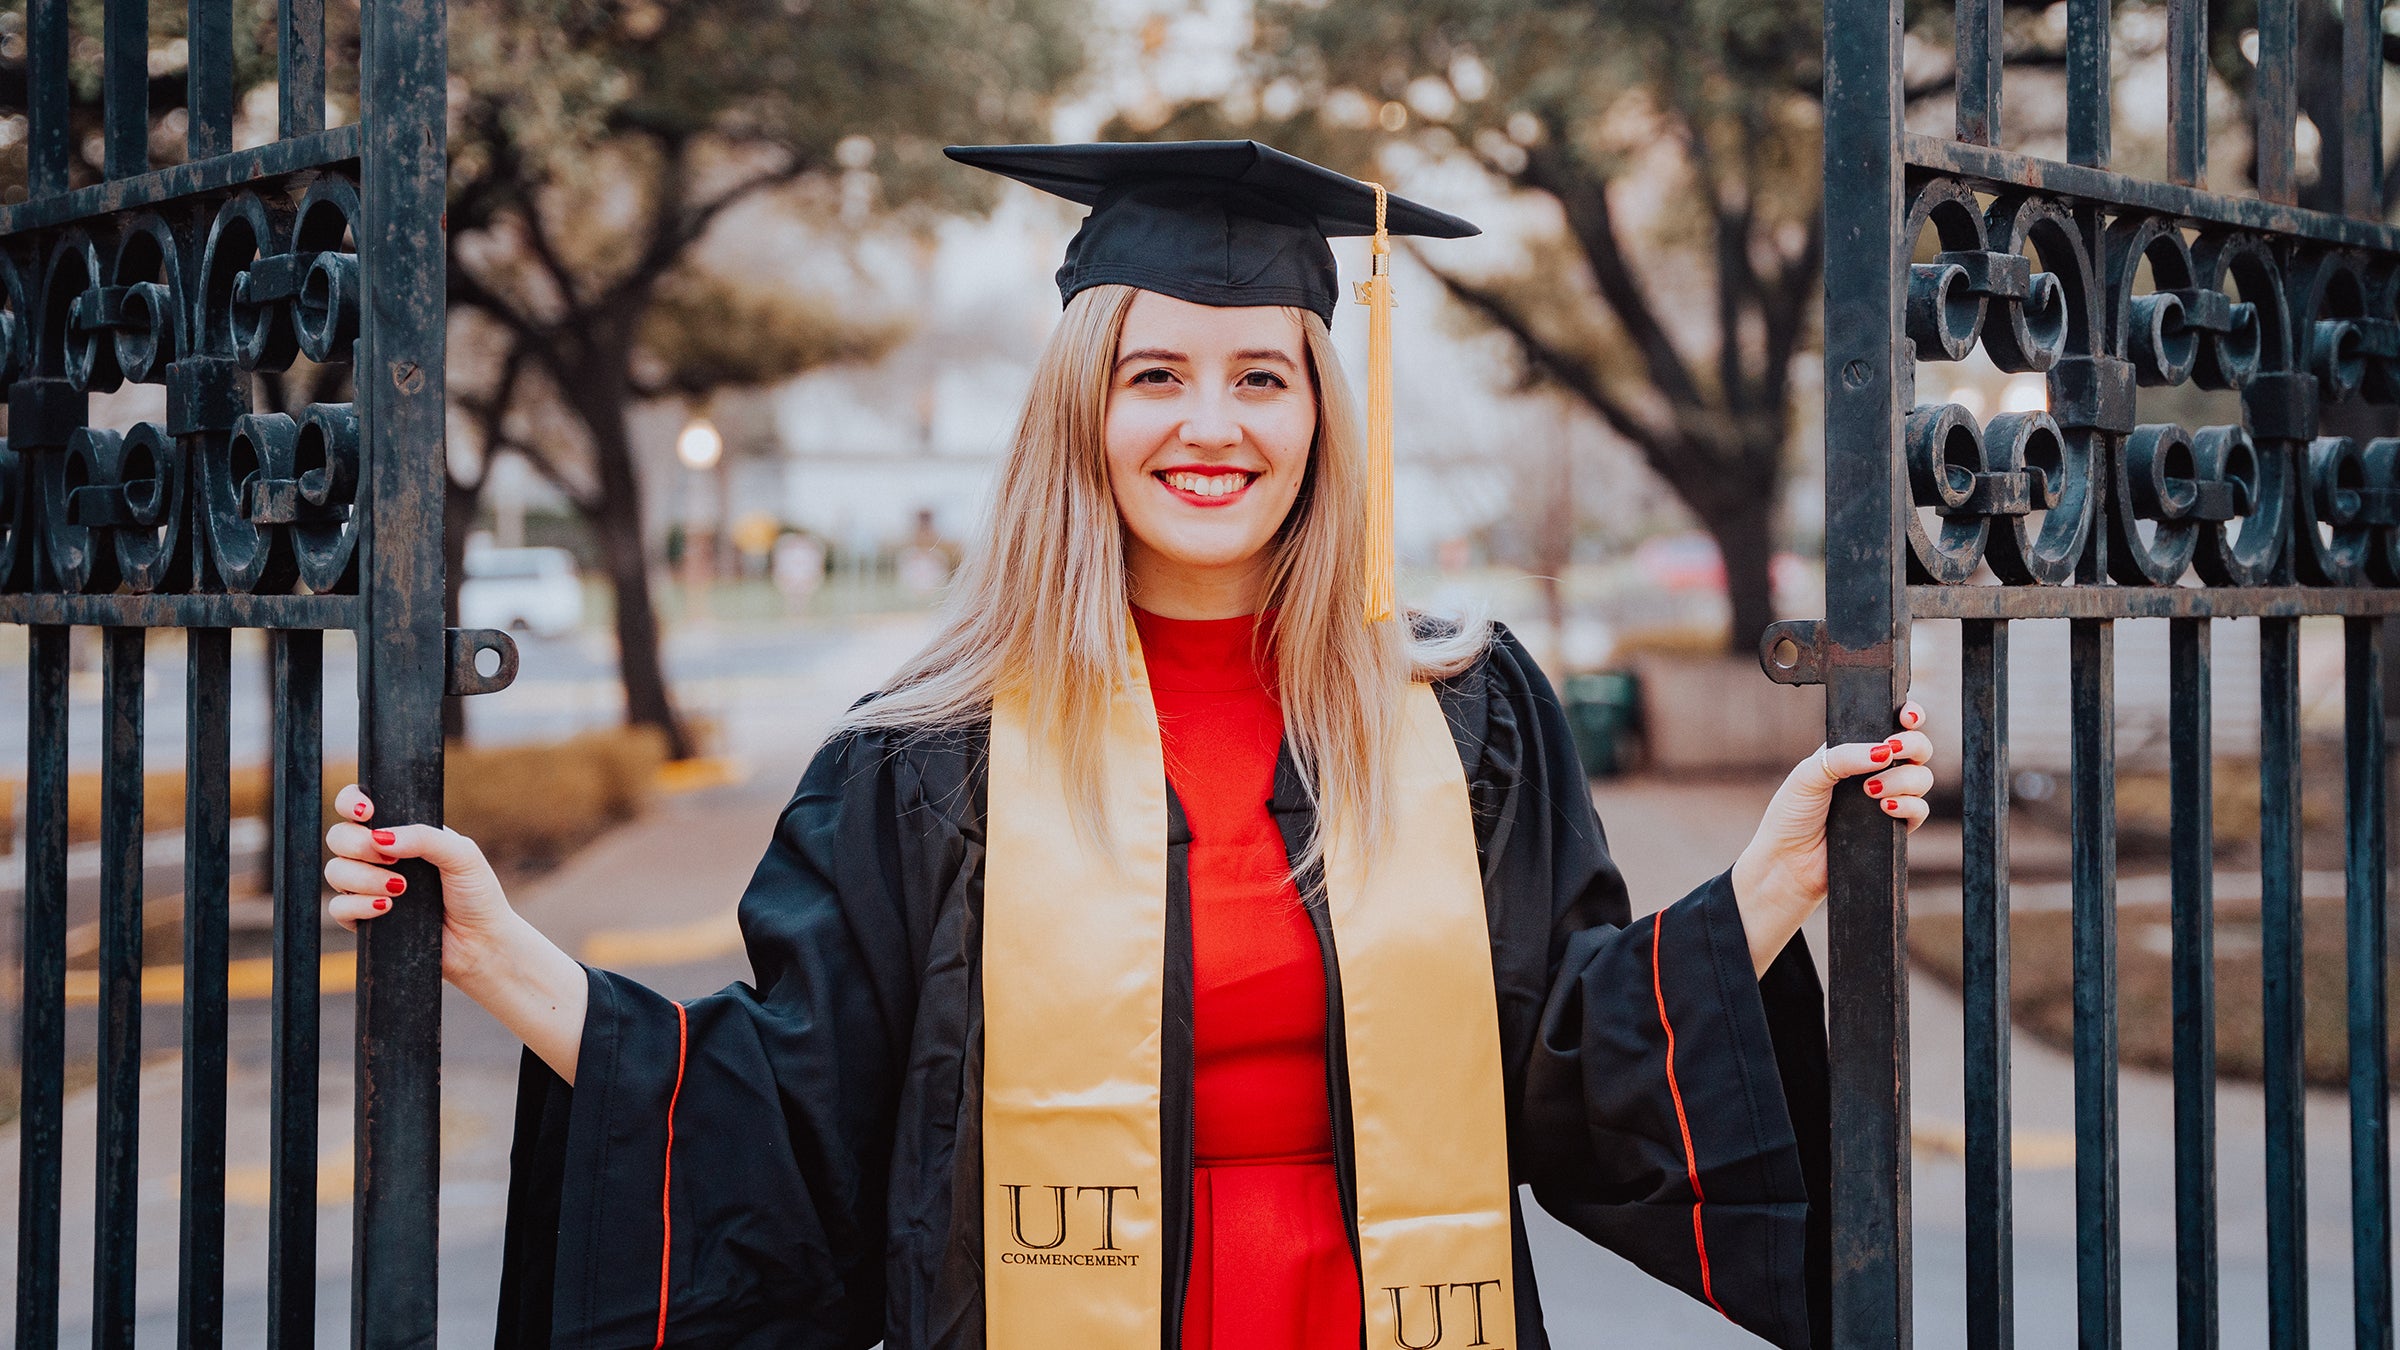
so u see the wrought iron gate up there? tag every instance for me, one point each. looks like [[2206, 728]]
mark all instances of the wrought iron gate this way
[[324, 242], [2085, 513]]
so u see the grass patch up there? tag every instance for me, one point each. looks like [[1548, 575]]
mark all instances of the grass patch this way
[[2042, 990], [528, 805]]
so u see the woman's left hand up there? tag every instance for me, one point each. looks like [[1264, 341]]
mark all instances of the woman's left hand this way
[[1780, 878]]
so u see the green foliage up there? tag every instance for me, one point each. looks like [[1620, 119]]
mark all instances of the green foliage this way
[[705, 333], [1676, 143]]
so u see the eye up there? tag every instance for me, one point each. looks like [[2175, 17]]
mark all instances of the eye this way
[[1262, 379], [1163, 375]]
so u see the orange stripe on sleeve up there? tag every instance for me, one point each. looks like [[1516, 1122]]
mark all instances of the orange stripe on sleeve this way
[[1691, 1165], [666, 1188]]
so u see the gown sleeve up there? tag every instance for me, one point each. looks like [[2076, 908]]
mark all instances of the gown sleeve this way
[[746, 1134], [1672, 1105]]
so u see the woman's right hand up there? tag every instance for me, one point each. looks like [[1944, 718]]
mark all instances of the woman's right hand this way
[[476, 918], [493, 956]]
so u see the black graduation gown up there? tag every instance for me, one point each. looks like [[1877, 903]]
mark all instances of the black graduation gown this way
[[826, 1121]]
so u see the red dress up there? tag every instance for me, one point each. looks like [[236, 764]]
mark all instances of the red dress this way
[[1271, 1262]]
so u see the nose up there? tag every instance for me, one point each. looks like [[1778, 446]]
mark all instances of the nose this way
[[1211, 423]]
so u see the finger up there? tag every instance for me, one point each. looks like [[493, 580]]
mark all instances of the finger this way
[[1849, 760], [446, 849], [357, 878], [358, 841], [1912, 715], [1903, 780], [1910, 809], [1910, 746], [350, 910], [352, 804]]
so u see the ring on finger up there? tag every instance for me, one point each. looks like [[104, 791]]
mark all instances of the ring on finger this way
[[1826, 768]]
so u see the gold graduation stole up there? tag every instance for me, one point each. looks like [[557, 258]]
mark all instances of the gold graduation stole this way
[[1074, 948]]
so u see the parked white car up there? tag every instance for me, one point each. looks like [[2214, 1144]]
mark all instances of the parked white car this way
[[525, 590]]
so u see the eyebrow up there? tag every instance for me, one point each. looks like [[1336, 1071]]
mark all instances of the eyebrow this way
[[1162, 354]]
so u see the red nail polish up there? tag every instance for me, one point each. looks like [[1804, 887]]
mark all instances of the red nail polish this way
[[382, 904], [1880, 753], [385, 837], [395, 885], [1874, 787], [359, 810], [1891, 806]]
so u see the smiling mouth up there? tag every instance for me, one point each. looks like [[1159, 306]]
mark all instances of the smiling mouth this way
[[1206, 485]]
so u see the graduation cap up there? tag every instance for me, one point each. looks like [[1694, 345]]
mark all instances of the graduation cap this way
[[1234, 223]]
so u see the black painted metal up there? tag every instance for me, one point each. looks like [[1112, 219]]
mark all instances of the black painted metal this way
[[2107, 284], [2279, 922], [2370, 1094], [2190, 771], [296, 686], [325, 242], [44, 953], [1991, 1203], [207, 878]]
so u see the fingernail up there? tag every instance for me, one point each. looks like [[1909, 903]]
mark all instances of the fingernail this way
[[1891, 806], [359, 810], [1880, 753], [386, 837], [382, 904], [395, 885], [1874, 787], [1895, 744]]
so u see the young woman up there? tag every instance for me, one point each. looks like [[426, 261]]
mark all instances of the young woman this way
[[1177, 952]]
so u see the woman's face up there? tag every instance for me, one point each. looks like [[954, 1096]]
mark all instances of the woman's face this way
[[1211, 413]]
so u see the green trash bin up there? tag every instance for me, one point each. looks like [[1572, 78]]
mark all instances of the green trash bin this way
[[1604, 714]]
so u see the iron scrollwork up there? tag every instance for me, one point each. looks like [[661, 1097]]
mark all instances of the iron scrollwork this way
[[2106, 301], [195, 298]]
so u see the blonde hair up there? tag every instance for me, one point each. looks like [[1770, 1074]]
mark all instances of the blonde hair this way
[[1040, 605]]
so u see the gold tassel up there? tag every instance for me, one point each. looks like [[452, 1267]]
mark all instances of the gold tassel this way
[[1376, 294]]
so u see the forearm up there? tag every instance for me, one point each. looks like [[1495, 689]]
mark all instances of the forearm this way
[[534, 988], [1772, 907]]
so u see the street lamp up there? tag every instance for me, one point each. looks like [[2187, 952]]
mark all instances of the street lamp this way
[[699, 446]]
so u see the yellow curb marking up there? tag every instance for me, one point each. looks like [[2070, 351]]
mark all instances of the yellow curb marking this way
[[252, 977], [700, 771], [718, 934], [2030, 1150]]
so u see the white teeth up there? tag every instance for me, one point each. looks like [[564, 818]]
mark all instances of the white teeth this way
[[1207, 484]]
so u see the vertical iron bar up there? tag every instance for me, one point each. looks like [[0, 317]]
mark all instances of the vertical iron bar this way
[[2087, 81], [2195, 999], [1978, 28], [2362, 109], [125, 84], [2276, 99], [42, 1063], [1866, 629], [1991, 1262], [119, 1137], [2093, 653], [207, 874], [2187, 91], [208, 78], [2281, 994], [404, 73], [300, 67], [48, 143], [2370, 1100], [296, 676]]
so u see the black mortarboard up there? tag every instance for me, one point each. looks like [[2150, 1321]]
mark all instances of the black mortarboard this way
[[1212, 222]]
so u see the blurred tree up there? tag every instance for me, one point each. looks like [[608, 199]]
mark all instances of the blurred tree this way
[[597, 143], [1678, 330]]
